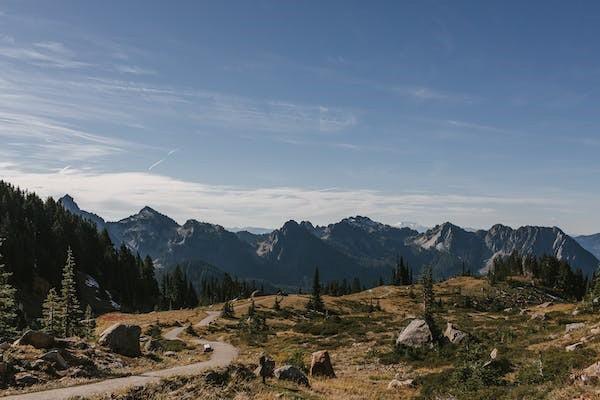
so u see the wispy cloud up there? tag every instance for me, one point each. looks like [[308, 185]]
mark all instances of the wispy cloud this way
[[45, 54], [233, 205], [170, 153], [134, 70]]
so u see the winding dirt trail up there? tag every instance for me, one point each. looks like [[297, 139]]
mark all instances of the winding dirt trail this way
[[222, 355]]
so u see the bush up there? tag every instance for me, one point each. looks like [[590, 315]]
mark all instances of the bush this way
[[296, 358], [554, 365]]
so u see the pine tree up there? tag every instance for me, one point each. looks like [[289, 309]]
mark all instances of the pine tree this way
[[50, 313], [7, 303], [69, 310], [316, 302], [227, 311], [428, 294], [89, 323], [251, 308], [276, 304]]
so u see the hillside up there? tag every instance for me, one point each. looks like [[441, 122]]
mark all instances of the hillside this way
[[591, 243]]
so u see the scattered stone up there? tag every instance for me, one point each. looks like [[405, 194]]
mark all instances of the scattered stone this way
[[320, 365], [122, 339], [546, 304], [25, 379], [574, 326], [540, 316], [590, 375], [170, 354], [494, 354], [508, 310], [574, 346], [4, 346], [153, 345], [37, 339], [575, 313], [397, 384], [595, 331], [291, 373], [454, 335], [416, 334], [56, 358]]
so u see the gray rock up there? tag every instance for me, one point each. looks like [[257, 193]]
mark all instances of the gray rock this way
[[574, 326], [153, 345], [122, 339], [416, 334], [400, 384], [574, 346], [4, 346], [37, 339], [25, 379], [590, 375], [454, 335], [56, 358], [320, 364], [291, 373], [170, 353]]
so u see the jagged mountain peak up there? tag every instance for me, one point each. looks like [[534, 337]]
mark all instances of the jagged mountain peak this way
[[69, 204], [68, 200]]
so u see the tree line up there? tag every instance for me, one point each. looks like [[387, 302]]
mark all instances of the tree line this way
[[547, 270], [37, 234]]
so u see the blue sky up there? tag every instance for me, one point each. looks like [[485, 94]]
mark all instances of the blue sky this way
[[253, 113]]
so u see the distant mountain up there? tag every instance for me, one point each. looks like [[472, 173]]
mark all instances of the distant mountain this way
[[252, 229], [415, 226], [69, 204], [591, 243], [353, 247]]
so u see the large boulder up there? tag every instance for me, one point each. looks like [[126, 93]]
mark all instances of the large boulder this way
[[37, 339], [320, 364], [590, 375], [291, 373], [55, 358], [574, 326], [454, 335], [25, 379], [416, 334], [122, 339]]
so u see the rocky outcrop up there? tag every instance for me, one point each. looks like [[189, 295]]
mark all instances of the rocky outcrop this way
[[320, 365], [291, 373], [590, 375], [454, 335], [122, 339], [416, 334], [574, 326], [37, 339]]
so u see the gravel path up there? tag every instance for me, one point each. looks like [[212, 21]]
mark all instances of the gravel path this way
[[222, 355]]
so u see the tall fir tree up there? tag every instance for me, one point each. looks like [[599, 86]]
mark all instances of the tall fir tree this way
[[316, 302], [428, 294], [89, 323], [7, 303], [69, 310], [50, 313]]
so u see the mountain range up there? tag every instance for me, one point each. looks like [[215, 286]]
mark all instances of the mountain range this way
[[353, 247]]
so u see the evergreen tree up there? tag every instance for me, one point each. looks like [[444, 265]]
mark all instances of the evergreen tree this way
[[50, 313], [227, 311], [276, 304], [7, 303], [428, 294], [316, 302], [69, 309], [89, 323], [251, 308]]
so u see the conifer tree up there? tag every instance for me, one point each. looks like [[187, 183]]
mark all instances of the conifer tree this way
[[89, 323], [7, 303], [251, 308], [50, 313], [69, 310], [428, 295], [276, 304], [316, 302], [227, 311]]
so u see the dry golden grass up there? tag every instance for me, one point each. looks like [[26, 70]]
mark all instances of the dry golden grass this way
[[164, 318]]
